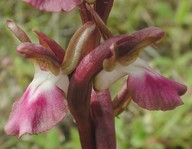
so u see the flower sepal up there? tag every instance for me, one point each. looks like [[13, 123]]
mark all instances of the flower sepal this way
[[45, 58]]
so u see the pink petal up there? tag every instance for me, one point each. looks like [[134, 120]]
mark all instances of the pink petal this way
[[54, 5], [41, 107], [152, 91]]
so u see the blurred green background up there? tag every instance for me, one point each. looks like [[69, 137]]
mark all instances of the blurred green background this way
[[135, 128]]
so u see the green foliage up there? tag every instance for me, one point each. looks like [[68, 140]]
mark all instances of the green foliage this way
[[182, 11], [135, 128]]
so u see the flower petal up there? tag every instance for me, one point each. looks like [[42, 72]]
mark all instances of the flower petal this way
[[152, 91], [40, 108], [54, 5]]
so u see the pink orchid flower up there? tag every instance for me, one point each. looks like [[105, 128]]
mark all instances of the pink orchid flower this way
[[148, 89], [44, 102], [93, 66], [54, 5]]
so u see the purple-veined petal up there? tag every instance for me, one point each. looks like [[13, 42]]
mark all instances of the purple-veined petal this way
[[41, 107], [54, 5], [148, 89]]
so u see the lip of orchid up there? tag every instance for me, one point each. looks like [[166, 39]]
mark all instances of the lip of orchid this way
[[40, 108], [153, 92]]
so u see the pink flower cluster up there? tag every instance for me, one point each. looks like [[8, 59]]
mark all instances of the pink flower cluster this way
[[78, 79]]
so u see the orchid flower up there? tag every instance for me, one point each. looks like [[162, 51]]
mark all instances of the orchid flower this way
[[54, 5], [148, 89], [45, 97], [93, 67], [44, 102]]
